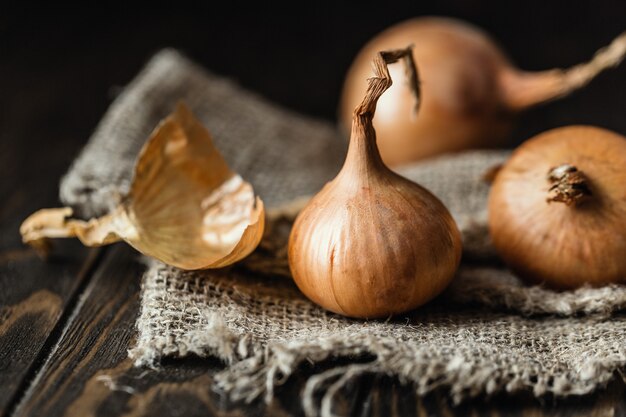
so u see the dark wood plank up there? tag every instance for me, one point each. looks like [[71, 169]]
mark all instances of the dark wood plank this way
[[88, 373], [34, 296], [379, 395], [33, 300], [388, 397]]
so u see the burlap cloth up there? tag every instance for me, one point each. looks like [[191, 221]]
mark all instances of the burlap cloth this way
[[486, 333]]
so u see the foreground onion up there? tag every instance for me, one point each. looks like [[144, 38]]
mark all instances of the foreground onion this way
[[557, 209], [185, 208], [372, 243], [471, 92]]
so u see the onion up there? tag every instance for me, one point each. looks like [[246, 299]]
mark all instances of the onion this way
[[371, 243], [471, 92], [557, 208]]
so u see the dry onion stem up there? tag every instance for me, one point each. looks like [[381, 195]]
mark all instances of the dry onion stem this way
[[185, 207], [569, 185]]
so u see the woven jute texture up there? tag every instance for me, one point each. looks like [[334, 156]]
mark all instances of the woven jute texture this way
[[487, 333]]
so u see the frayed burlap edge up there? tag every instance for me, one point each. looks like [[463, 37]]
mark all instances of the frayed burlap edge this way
[[256, 368]]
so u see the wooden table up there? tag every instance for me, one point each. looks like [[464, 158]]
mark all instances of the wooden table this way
[[66, 324]]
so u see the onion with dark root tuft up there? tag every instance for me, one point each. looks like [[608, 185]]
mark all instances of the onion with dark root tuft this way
[[557, 208]]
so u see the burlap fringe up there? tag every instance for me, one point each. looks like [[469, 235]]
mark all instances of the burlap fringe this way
[[256, 368]]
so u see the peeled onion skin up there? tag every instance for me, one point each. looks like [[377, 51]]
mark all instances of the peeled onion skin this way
[[471, 92], [561, 245], [371, 243]]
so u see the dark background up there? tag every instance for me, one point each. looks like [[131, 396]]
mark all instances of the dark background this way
[[60, 68]]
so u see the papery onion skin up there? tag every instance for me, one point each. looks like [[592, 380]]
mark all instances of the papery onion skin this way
[[563, 245], [372, 244], [185, 207], [471, 91]]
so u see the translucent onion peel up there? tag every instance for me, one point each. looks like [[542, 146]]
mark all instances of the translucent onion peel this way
[[185, 207]]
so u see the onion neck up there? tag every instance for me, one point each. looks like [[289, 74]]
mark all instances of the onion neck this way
[[523, 89], [567, 185], [363, 158]]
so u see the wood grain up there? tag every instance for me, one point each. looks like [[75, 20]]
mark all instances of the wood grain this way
[[34, 295], [88, 373], [33, 298], [92, 339], [387, 397]]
